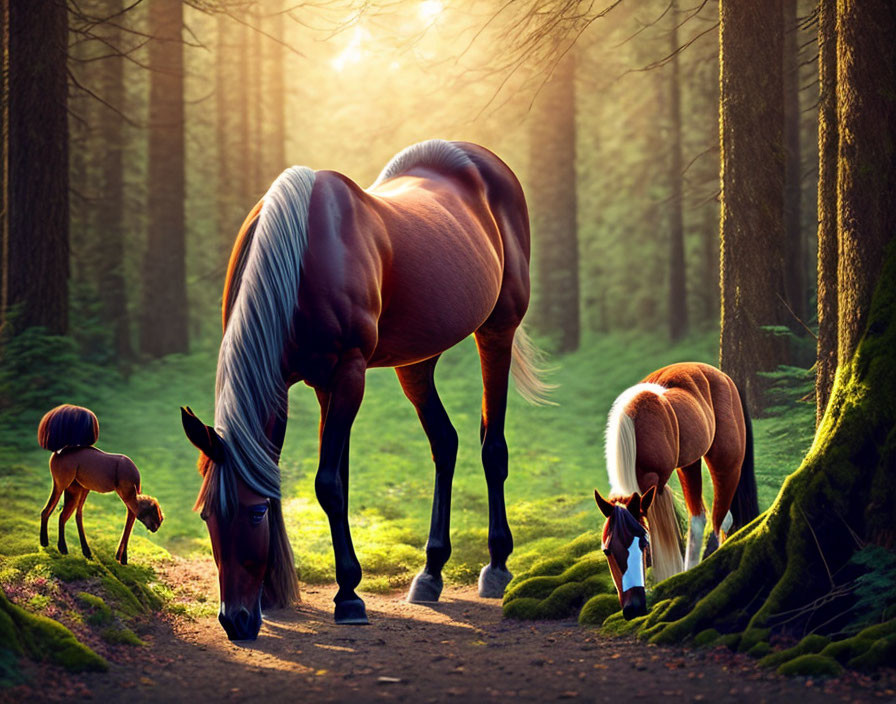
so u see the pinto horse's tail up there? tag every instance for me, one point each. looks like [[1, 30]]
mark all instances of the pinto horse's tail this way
[[745, 505], [67, 426], [527, 372]]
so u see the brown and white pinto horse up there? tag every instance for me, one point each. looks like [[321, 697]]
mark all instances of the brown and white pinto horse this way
[[325, 281], [677, 416]]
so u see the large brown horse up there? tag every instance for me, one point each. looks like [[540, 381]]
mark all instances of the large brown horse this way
[[325, 281], [677, 416]]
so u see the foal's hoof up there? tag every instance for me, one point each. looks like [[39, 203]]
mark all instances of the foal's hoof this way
[[62, 549], [44, 541], [425, 588], [351, 612], [492, 581]]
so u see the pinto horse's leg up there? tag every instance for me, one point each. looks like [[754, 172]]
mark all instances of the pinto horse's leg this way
[[345, 396], [68, 508], [692, 487], [82, 497], [495, 354], [418, 383]]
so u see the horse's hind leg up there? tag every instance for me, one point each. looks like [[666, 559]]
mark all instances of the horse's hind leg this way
[[45, 514], [495, 353], [68, 508], [79, 519], [419, 386], [692, 488]]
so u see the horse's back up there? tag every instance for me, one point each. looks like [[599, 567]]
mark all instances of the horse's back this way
[[416, 263], [93, 469]]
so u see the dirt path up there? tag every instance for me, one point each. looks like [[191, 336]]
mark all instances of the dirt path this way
[[458, 650]]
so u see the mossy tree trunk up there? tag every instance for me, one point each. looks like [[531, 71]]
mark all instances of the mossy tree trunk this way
[[752, 231], [553, 204], [826, 363], [778, 572]]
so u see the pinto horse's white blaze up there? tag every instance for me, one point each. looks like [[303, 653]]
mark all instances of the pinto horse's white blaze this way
[[634, 571]]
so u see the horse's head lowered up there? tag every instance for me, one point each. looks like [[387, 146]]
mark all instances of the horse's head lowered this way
[[240, 534], [625, 543]]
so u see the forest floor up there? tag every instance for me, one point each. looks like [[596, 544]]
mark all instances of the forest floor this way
[[460, 649]]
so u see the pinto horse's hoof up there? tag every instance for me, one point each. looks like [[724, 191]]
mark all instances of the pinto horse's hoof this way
[[351, 612], [425, 588], [492, 582]]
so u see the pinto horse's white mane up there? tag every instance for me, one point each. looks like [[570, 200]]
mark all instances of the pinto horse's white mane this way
[[433, 152], [249, 382], [620, 447]]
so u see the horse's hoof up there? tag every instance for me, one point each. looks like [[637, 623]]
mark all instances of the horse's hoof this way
[[425, 588], [62, 549], [351, 612], [87, 554], [492, 582], [44, 541]]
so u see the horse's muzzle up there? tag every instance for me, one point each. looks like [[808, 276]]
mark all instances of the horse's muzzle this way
[[635, 603], [240, 624]]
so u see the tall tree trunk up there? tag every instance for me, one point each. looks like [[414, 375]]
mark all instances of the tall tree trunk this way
[[552, 194], [227, 111], [35, 185], [163, 325], [112, 288], [866, 113], [678, 299], [826, 364], [752, 267], [794, 247]]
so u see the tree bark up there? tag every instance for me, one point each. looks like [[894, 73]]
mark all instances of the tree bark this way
[[276, 117], [794, 248], [552, 194], [111, 286], [752, 266], [826, 364], [678, 299], [866, 113], [35, 208], [163, 325]]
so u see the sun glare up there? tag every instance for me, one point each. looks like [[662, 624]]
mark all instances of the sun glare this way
[[352, 54], [430, 9]]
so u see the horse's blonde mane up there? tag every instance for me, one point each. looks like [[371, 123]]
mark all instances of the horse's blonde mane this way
[[620, 447]]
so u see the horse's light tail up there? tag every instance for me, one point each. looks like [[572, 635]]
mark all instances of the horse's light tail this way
[[745, 506], [67, 426], [527, 369], [665, 536]]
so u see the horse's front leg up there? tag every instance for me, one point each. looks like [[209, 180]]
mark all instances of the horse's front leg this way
[[79, 519], [342, 402], [48, 510], [495, 353], [71, 503]]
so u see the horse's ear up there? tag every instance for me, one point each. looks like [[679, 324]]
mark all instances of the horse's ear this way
[[605, 506], [634, 505], [201, 435], [647, 498]]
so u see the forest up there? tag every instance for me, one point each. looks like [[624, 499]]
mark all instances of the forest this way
[[707, 181]]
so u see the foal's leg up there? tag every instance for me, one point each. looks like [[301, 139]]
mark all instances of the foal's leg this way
[[68, 507], [85, 548], [345, 396], [48, 510], [692, 488], [122, 553], [419, 386], [494, 354]]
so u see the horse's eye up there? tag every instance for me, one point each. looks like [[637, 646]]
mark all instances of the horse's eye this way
[[256, 513]]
